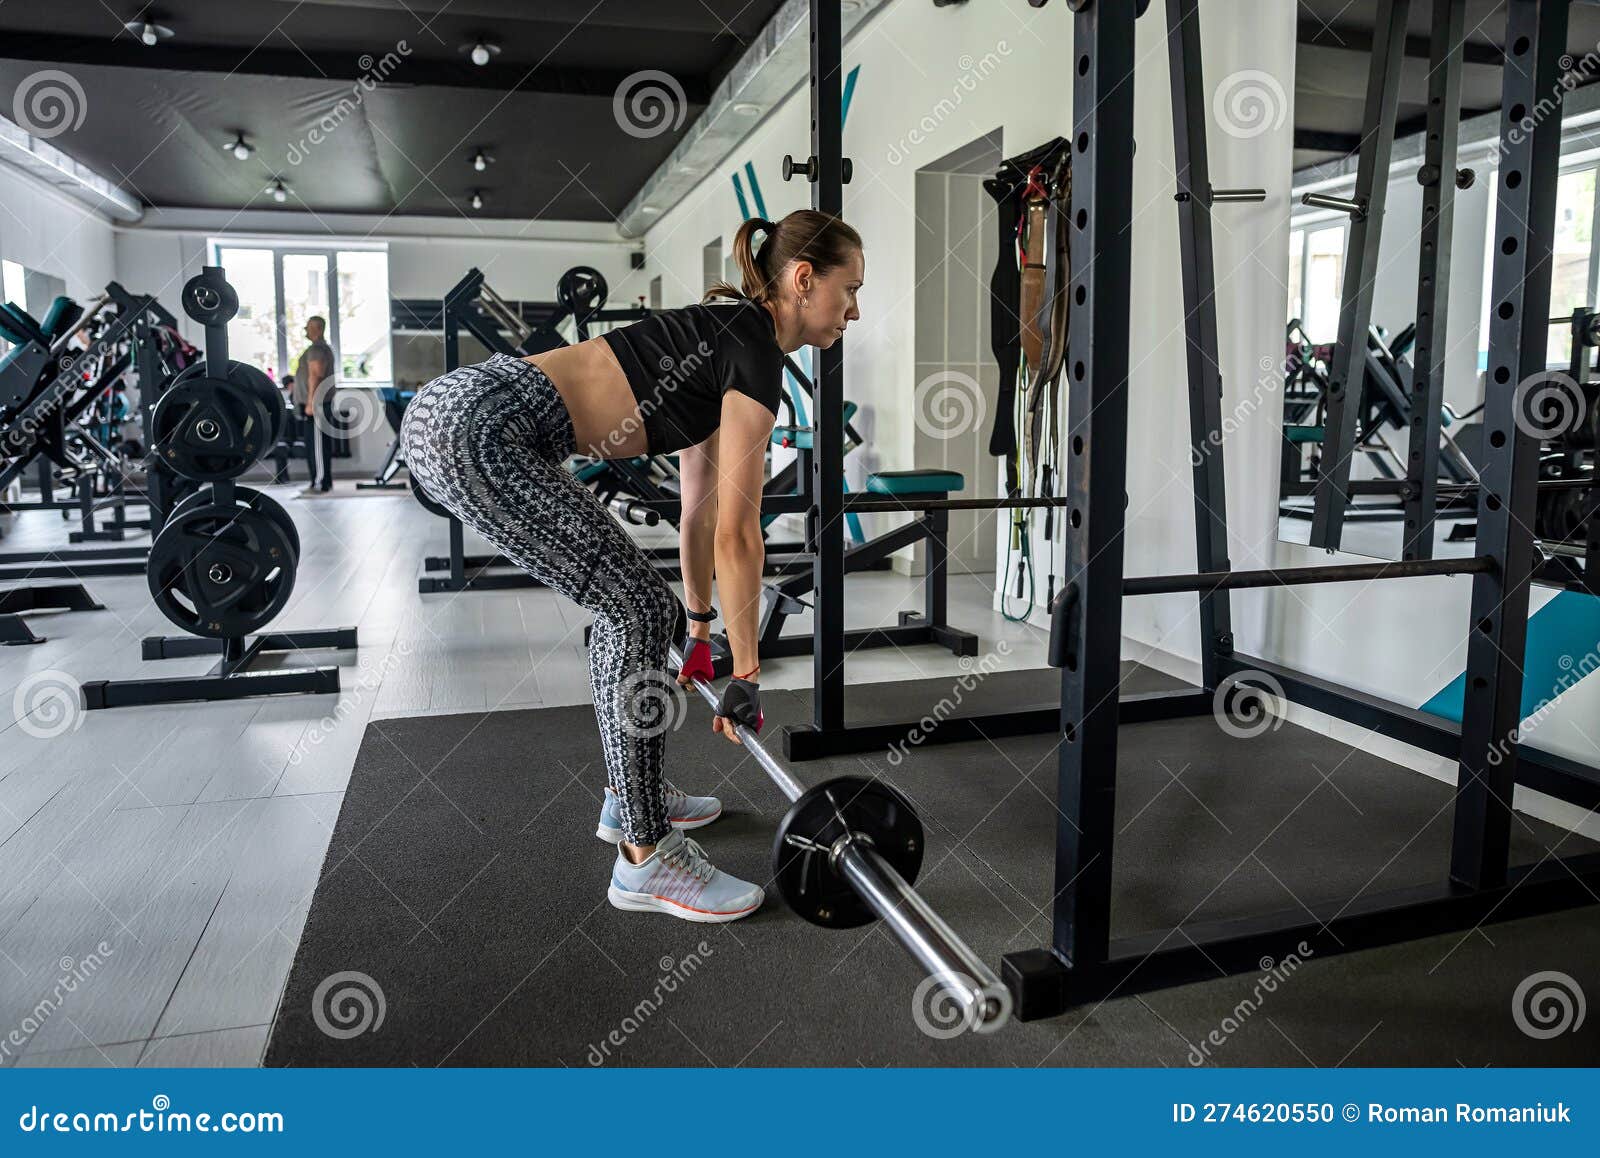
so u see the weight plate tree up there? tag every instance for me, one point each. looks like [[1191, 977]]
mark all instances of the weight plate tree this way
[[842, 858]]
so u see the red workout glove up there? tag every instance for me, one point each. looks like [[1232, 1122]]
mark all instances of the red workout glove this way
[[696, 659]]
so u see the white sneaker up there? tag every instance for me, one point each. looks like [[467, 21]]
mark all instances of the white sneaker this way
[[683, 811], [677, 879]]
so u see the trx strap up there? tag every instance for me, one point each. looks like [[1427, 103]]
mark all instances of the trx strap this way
[[1005, 304], [1028, 329]]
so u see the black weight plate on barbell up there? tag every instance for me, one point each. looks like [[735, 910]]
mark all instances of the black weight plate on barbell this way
[[428, 504], [807, 879], [209, 299], [250, 377], [248, 497], [221, 570], [209, 430], [582, 291], [256, 381]]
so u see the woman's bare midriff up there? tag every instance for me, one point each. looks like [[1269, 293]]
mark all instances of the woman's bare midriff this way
[[590, 380]]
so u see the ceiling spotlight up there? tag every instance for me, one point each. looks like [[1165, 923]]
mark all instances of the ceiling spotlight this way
[[240, 147], [481, 51], [279, 191], [481, 160], [148, 31], [477, 199]]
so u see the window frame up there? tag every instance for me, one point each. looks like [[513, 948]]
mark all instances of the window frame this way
[[319, 248]]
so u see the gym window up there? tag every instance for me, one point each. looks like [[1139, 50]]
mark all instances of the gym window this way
[[1316, 277], [1575, 274], [281, 286]]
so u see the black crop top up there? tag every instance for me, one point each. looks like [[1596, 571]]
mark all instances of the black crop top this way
[[680, 363]]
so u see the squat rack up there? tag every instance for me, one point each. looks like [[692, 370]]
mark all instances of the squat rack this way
[[1083, 962]]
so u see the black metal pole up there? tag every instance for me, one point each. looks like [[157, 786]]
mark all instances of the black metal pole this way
[[1438, 179], [1360, 272], [1297, 576], [827, 462], [1097, 410], [1518, 339], [1189, 114]]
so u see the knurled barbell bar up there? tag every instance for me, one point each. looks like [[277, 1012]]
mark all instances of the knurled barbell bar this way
[[841, 858]]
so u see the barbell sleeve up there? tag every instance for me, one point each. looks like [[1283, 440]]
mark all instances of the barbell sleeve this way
[[984, 1000]]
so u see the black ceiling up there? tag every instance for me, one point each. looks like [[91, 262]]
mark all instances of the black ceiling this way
[[155, 118], [1334, 50]]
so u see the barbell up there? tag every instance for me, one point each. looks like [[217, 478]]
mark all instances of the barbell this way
[[846, 853]]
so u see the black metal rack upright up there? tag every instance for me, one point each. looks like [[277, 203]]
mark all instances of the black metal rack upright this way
[[1083, 962]]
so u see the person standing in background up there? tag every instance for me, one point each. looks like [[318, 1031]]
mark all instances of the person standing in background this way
[[313, 399]]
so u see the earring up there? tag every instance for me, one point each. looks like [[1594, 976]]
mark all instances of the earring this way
[[805, 303]]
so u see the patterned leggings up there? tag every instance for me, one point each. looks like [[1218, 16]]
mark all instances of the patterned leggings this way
[[487, 442]]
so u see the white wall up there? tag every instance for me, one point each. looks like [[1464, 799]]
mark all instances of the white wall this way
[[45, 230], [931, 80]]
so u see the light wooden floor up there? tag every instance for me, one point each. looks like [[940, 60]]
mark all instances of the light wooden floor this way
[[156, 864]]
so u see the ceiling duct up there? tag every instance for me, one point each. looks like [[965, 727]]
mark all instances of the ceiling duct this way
[[768, 72]]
